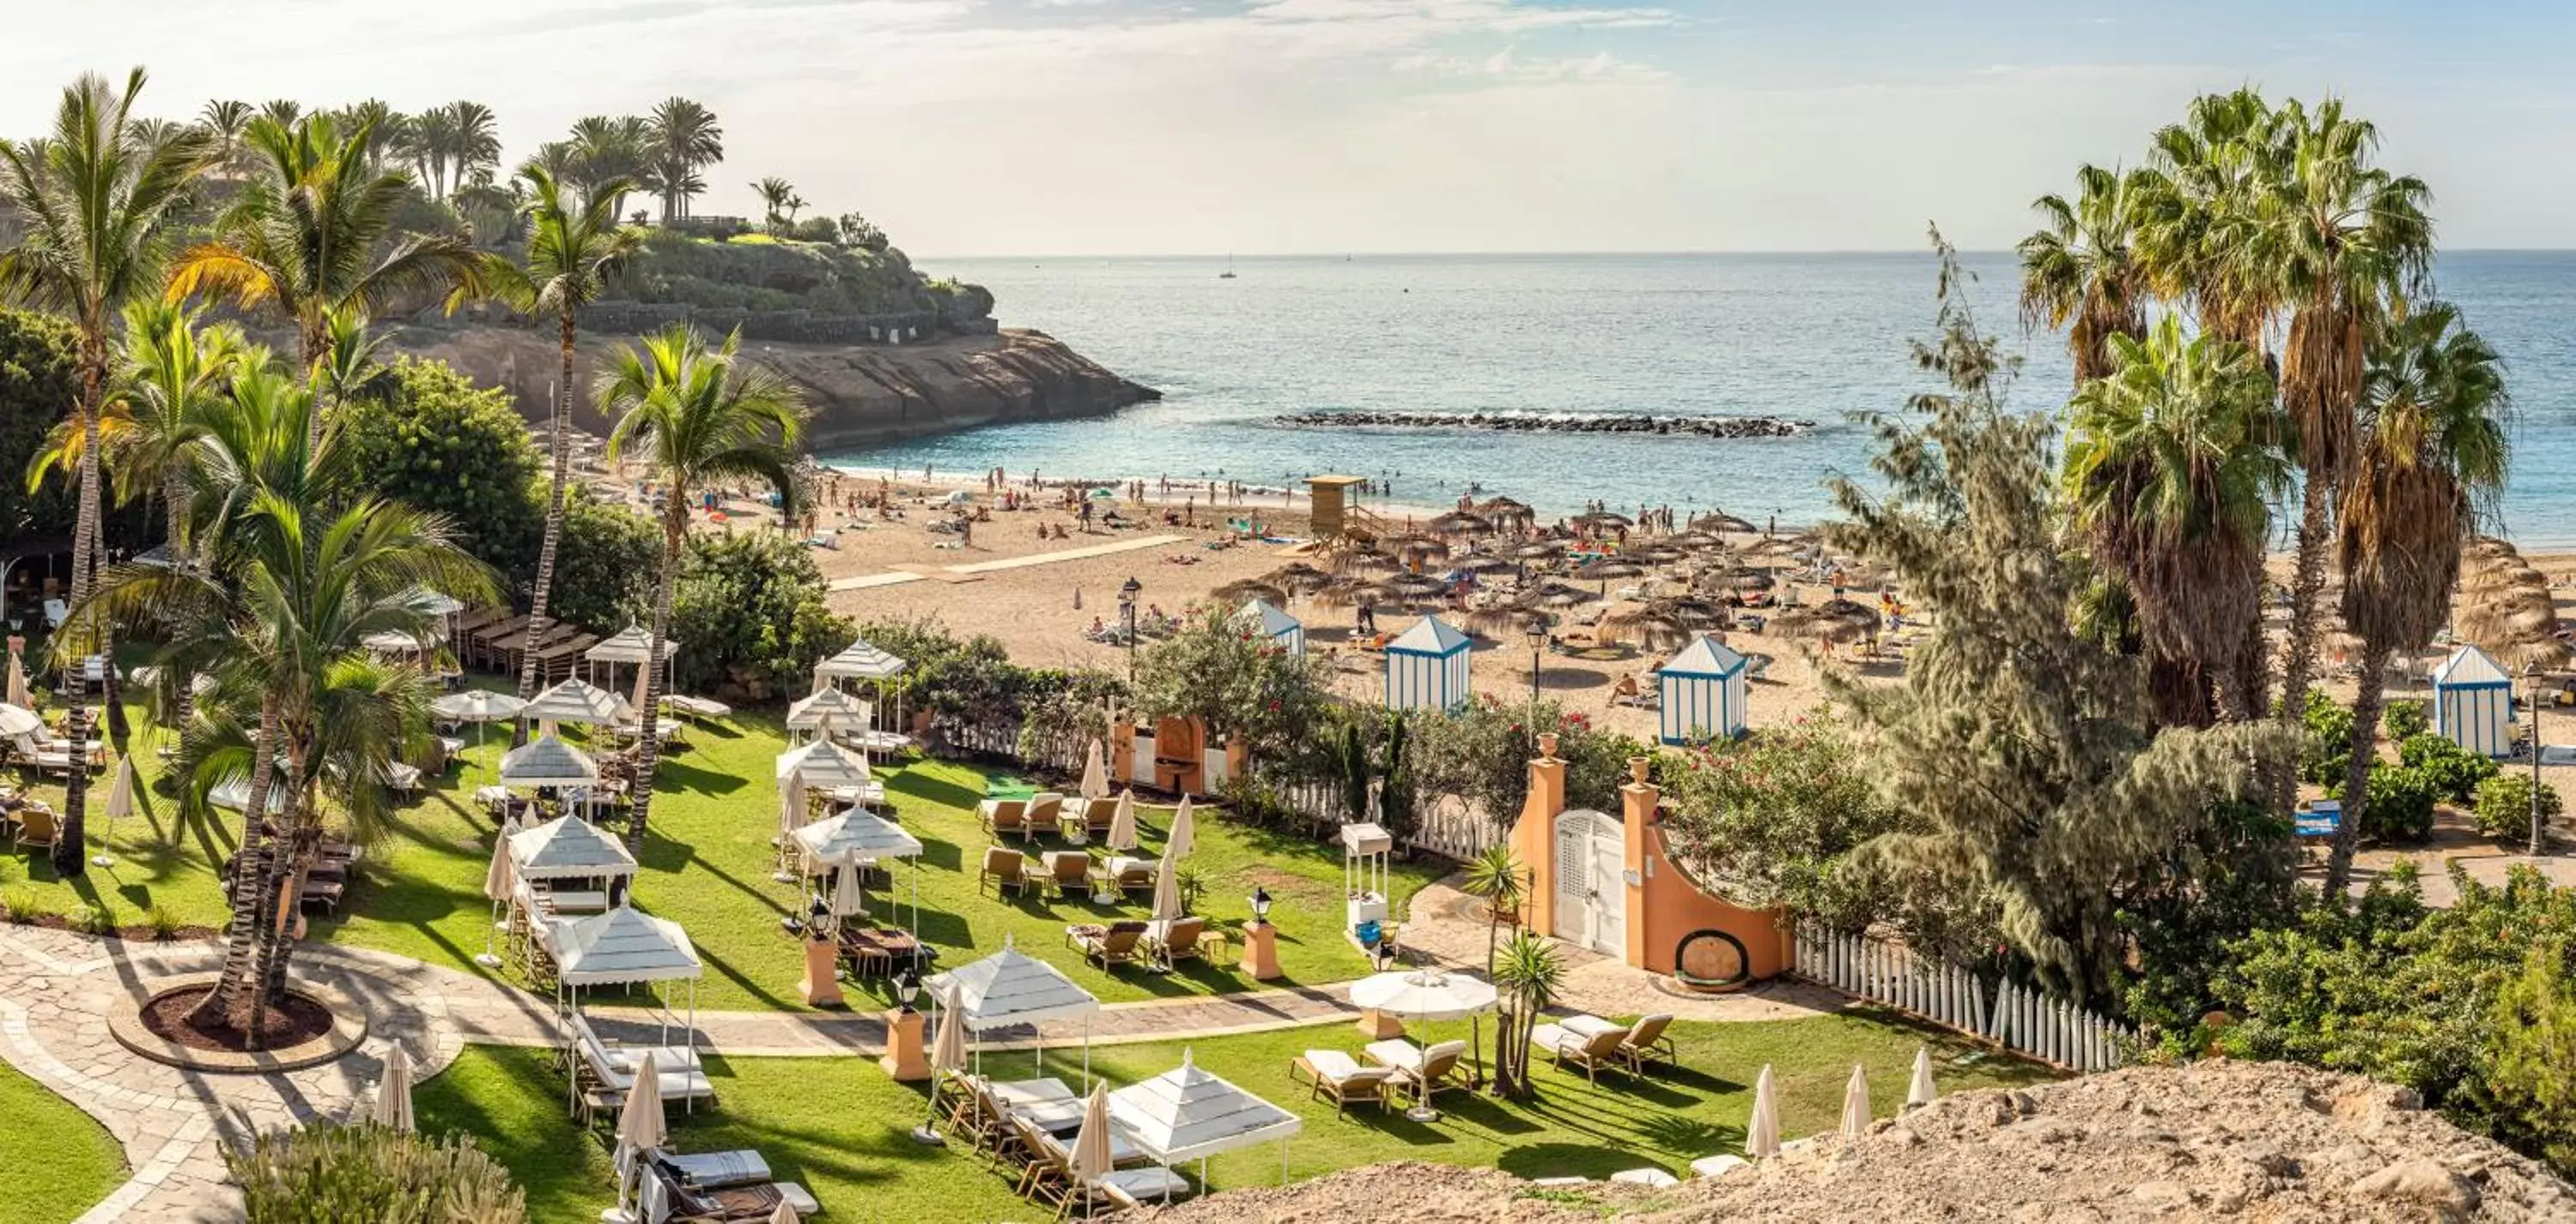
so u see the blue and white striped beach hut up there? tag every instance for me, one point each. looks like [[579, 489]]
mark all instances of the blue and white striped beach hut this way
[[1703, 692], [2473, 703], [1286, 631], [1426, 668]]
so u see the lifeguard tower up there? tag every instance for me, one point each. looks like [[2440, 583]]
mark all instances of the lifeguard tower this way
[[1336, 509]]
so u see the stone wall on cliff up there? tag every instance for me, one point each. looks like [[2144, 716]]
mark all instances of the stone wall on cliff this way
[[857, 395]]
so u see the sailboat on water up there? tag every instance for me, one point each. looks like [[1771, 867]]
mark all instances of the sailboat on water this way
[[1228, 274]]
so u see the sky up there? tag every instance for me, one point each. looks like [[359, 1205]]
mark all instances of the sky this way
[[1072, 127]]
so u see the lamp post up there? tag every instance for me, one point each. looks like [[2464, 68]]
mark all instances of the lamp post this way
[[1127, 611], [2531, 693], [1260, 940], [1260, 906], [1535, 633]]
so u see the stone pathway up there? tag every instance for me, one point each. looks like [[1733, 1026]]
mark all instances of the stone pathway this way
[[57, 990]]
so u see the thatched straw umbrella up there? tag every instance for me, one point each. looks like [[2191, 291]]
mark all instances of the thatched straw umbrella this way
[[1834, 619], [1459, 523], [1654, 554], [1739, 579], [1245, 590], [1607, 568], [1540, 550], [1651, 625], [1599, 520], [1353, 593], [1482, 563], [1365, 561], [1414, 550], [1298, 577], [1551, 596], [1719, 521], [1501, 510]]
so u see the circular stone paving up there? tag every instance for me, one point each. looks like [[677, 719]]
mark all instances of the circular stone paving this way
[[348, 1028]]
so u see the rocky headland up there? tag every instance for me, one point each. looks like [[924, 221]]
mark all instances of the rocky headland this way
[[859, 394], [1531, 422]]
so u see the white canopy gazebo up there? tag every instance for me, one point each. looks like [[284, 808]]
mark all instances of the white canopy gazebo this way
[[1009, 988], [1188, 1114], [632, 645], [862, 661], [857, 836], [1275, 626], [568, 848], [626, 947], [392, 642], [820, 765], [577, 701], [826, 707], [547, 761]]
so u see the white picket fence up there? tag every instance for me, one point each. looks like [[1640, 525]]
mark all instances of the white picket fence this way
[[2015, 1017]]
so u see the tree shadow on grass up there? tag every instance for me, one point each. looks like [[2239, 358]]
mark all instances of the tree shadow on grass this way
[[920, 784], [1535, 1160], [694, 779]]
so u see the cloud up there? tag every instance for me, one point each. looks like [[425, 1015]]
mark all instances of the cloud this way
[[1507, 64]]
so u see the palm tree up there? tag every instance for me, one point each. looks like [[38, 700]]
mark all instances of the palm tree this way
[[477, 150], [608, 156], [433, 145], [93, 201], [778, 197], [2172, 464], [2218, 163], [694, 416], [304, 567], [1495, 876], [225, 122], [2337, 238], [1527, 977], [2080, 270], [685, 139], [2430, 449], [302, 238], [571, 253]]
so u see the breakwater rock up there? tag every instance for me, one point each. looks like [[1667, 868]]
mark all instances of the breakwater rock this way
[[856, 394], [1535, 422]]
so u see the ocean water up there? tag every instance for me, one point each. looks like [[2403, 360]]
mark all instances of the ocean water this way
[[1808, 337]]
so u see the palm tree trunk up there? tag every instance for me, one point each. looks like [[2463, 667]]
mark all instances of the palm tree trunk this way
[[2366, 705], [2246, 678], [71, 852], [184, 706], [241, 931], [561, 443], [282, 888], [648, 750], [311, 340], [2306, 582]]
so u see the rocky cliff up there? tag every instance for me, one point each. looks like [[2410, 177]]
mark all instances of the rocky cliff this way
[[858, 395]]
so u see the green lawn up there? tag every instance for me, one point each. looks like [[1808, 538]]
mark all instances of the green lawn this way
[[707, 865], [61, 1161], [837, 1125]]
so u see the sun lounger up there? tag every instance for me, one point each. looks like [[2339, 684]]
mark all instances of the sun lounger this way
[[1067, 871], [1180, 940], [36, 827], [1331, 1073], [1129, 874], [627, 1057], [1003, 817], [699, 708], [1422, 1071], [1646, 1044], [679, 1083], [1108, 945], [1097, 816], [1006, 868], [1134, 1188], [1045, 809], [1590, 1051], [1646, 1177], [716, 1170], [666, 1199]]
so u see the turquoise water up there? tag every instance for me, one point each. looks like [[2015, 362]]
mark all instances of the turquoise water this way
[[1813, 337]]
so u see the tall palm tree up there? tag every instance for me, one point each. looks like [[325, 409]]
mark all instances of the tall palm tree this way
[[2218, 165], [432, 147], [2338, 239], [93, 203], [571, 253], [478, 142], [2081, 270], [608, 156], [2430, 449], [777, 199], [685, 139], [305, 567], [694, 416], [312, 234], [2172, 465], [226, 122]]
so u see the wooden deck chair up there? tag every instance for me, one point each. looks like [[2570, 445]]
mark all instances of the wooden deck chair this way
[[1111, 944], [1003, 817], [1424, 1071], [1331, 1073], [1097, 815], [36, 827], [1045, 809], [1006, 868], [1128, 874], [1068, 872], [1591, 1053], [1046, 1178], [1647, 1044], [1181, 940]]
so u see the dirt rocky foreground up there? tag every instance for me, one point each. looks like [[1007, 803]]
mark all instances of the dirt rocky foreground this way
[[2213, 1141]]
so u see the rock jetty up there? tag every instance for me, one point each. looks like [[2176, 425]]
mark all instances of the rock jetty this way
[[1534, 422]]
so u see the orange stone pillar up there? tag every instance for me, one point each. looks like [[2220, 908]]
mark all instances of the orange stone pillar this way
[[902, 1058], [822, 984], [1261, 951]]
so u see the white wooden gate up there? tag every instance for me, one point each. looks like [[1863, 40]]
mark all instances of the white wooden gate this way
[[1591, 893]]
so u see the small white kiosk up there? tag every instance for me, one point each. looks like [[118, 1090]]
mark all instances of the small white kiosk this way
[[2473, 703], [1367, 852]]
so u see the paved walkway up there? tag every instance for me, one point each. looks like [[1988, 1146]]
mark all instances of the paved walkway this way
[[57, 990], [863, 582]]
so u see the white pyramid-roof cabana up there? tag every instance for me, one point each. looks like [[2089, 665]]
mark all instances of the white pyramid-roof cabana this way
[[632, 644], [577, 701], [1187, 1114], [823, 765], [1432, 636], [855, 835], [1427, 667], [548, 761], [1702, 692], [2473, 702], [1272, 623], [390, 641], [2470, 665], [567, 848], [623, 945], [809, 712], [1008, 988], [861, 662]]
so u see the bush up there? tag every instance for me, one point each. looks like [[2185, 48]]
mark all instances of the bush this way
[[2400, 807], [2504, 806], [2404, 720], [2454, 772], [749, 608], [2328, 751], [164, 923], [1239, 684], [1775, 816], [430, 438], [321, 1173], [37, 383], [604, 565], [19, 908], [2530, 1056]]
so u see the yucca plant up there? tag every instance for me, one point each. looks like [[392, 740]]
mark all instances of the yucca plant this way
[[1495, 877], [1528, 973]]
